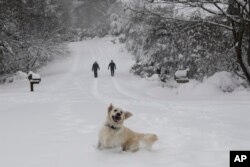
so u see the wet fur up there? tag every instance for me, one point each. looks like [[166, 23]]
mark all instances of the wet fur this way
[[113, 134]]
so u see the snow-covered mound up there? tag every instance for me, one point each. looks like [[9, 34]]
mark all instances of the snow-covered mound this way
[[223, 81], [154, 77], [218, 83], [19, 75]]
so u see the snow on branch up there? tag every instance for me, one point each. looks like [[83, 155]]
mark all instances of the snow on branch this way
[[217, 7], [145, 10]]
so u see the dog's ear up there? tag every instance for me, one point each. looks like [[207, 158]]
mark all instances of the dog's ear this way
[[127, 114], [110, 107]]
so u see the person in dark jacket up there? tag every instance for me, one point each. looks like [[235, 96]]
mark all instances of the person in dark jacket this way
[[95, 68], [112, 67]]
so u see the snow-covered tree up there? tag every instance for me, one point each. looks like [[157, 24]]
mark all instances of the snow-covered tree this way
[[29, 31], [172, 35], [237, 20]]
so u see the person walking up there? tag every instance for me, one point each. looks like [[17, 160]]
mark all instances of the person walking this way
[[112, 67], [95, 68]]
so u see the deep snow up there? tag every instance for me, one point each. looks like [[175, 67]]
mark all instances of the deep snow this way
[[57, 125]]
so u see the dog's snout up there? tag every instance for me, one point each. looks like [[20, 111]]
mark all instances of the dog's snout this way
[[117, 117]]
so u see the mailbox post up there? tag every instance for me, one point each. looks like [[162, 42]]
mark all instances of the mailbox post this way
[[34, 79]]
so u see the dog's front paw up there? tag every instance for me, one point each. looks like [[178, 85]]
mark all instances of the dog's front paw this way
[[99, 146]]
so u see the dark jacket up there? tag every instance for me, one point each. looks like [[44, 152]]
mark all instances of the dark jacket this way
[[112, 66], [95, 67]]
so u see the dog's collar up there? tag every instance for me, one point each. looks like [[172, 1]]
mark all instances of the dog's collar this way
[[112, 127]]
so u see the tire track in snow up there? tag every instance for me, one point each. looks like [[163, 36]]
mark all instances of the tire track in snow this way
[[116, 85], [94, 89], [95, 81], [135, 98], [68, 75], [139, 100], [131, 99], [71, 123], [95, 84]]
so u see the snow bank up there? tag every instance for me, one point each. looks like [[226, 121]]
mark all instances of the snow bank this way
[[20, 75], [218, 83], [224, 81]]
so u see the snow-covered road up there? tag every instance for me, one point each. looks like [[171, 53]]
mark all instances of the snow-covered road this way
[[57, 125]]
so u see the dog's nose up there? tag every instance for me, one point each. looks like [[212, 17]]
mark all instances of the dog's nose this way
[[118, 114]]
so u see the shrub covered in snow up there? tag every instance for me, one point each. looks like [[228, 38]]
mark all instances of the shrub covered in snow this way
[[154, 77], [220, 82], [224, 81], [19, 75], [143, 71]]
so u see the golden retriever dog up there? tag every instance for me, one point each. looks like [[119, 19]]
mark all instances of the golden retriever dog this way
[[113, 134]]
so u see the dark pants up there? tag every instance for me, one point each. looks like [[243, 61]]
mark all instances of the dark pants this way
[[95, 74], [112, 73]]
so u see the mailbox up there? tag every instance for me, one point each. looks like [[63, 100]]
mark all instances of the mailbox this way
[[182, 76], [34, 79]]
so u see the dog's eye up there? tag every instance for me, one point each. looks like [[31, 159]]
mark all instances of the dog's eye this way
[[121, 112], [115, 110]]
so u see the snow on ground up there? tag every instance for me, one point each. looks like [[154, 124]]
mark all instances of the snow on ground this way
[[57, 125]]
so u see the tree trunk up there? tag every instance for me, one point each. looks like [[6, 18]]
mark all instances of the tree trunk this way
[[240, 61], [238, 39], [238, 50], [248, 50], [248, 32]]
